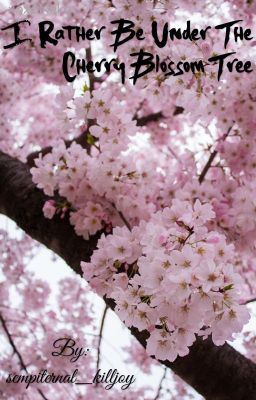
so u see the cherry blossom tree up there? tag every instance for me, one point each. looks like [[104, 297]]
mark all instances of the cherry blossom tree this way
[[145, 188]]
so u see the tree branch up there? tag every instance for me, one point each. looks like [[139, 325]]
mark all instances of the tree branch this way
[[160, 386], [154, 117], [16, 351], [217, 373], [211, 158], [92, 78], [249, 301], [103, 320], [82, 139]]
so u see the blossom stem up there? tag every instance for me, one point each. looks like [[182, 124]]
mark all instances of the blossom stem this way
[[121, 215]]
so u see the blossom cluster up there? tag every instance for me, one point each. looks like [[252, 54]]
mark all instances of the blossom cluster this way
[[171, 277]]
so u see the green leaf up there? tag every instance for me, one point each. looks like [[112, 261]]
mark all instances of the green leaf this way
[[228, 287], [85, 88], [90, 139]]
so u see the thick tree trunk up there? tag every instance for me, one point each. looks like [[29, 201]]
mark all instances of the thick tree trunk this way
[[217, 373]]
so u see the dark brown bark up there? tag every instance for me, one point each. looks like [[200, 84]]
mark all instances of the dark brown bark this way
[[218, 373]]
